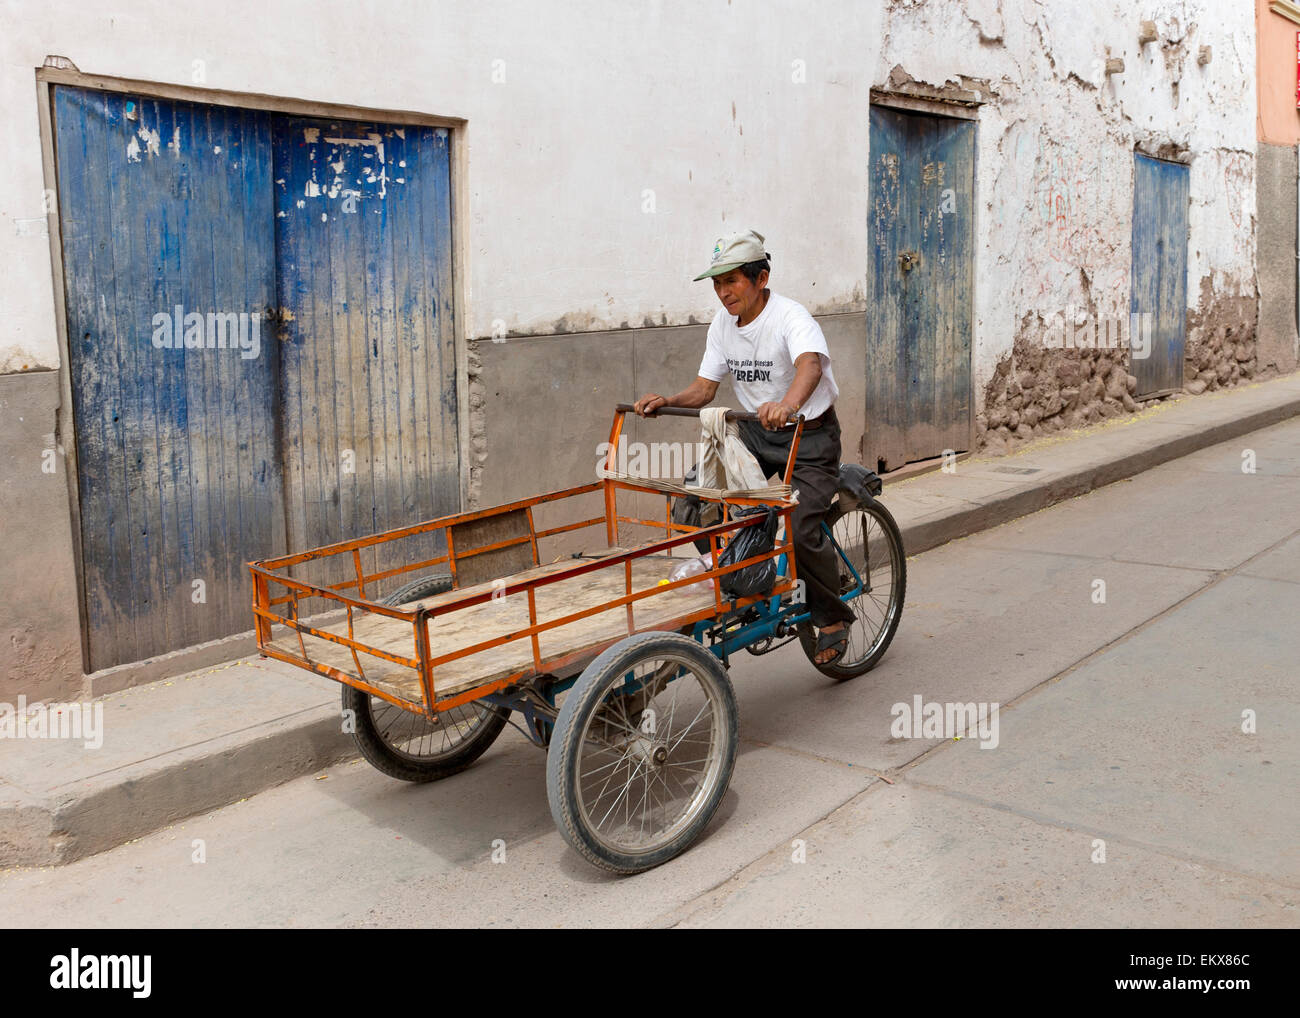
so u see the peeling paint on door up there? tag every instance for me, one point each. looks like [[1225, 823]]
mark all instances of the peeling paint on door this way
[[367, 345], [177, 468], [920, 285], [196, 454], [1160, 270]]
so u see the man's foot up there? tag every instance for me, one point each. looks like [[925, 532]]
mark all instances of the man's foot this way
[[832, 641]]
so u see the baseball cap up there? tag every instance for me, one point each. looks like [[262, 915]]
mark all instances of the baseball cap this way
[[733, 251]]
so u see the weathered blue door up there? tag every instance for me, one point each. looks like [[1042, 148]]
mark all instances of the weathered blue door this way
[[261, 350], [920, 275], [368, 365], [1160, 196], [167, 216]]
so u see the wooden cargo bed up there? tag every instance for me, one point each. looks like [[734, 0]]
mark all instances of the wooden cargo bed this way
[[464, 627], [324, 609]]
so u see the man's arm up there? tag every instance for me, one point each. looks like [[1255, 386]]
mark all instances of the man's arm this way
[[699, 393], [807, 373]]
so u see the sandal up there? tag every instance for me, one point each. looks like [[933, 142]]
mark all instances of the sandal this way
[[837, 641]]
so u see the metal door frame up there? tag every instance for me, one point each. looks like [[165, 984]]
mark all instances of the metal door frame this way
[[49, 77]]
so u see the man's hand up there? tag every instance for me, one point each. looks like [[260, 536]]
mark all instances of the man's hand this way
[[648, 404], [774, 415]]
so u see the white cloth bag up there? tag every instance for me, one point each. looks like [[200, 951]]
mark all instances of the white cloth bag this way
[[726, 467], [725, 463]]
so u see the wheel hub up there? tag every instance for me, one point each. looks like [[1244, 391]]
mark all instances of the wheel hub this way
[[650, 752]]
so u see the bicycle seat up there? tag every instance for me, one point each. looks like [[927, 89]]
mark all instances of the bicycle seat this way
[[858, 483]]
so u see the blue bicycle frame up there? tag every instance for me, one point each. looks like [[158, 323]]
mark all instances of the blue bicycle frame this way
[[777, 618]]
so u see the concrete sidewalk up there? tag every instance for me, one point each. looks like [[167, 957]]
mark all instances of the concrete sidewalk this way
[[179, 747]]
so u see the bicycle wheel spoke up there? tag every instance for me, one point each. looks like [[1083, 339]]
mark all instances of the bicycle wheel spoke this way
[[872, 548], [415, 737], [706, 706], [644, 754]]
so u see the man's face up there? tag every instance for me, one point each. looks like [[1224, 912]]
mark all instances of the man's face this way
[[738, 294]]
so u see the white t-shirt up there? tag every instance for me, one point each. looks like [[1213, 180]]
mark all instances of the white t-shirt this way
[[761, 355]]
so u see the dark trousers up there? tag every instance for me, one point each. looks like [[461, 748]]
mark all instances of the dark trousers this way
[[816, 478]]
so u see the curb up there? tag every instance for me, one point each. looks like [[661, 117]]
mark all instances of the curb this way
[[141, 799], [962, 522]]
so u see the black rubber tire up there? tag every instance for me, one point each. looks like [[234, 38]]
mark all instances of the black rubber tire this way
[[413, 767], [384, 758], [808, 635], [585, 698], [425, 586]]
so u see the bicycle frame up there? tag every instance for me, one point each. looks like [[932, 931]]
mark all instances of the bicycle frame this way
[[777, 618]]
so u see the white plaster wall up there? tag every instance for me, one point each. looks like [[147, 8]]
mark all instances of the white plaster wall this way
[[1057, 136], [696, 100], [602, 101]]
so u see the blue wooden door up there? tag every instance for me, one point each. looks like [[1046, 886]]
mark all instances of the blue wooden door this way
[[368, 366], [1160, 197], [920, 279], [167, 213], [261, 351]]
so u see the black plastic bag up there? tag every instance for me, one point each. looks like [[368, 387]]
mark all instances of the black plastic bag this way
[[692, 511], [760, 577]]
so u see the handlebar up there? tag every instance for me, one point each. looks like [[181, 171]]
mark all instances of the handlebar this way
[[679, 411]]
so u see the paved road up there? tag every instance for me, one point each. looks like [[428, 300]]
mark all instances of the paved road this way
[[1120, 731]]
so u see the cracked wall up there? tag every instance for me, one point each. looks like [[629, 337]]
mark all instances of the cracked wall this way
[[1054, 181]]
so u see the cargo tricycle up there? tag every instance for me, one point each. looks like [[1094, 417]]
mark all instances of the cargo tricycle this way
[[444, 631]]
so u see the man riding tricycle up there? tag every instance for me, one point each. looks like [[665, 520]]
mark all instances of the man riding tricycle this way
[[614, 659]]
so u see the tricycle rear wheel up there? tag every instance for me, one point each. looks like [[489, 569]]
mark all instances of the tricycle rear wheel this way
[[409, 746], [642, 752]]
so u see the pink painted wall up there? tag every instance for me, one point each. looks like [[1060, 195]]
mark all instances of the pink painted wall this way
[[1275, 55]]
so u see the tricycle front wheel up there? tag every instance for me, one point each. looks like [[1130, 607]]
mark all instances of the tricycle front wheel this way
[[871, 540], [642, 752]]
